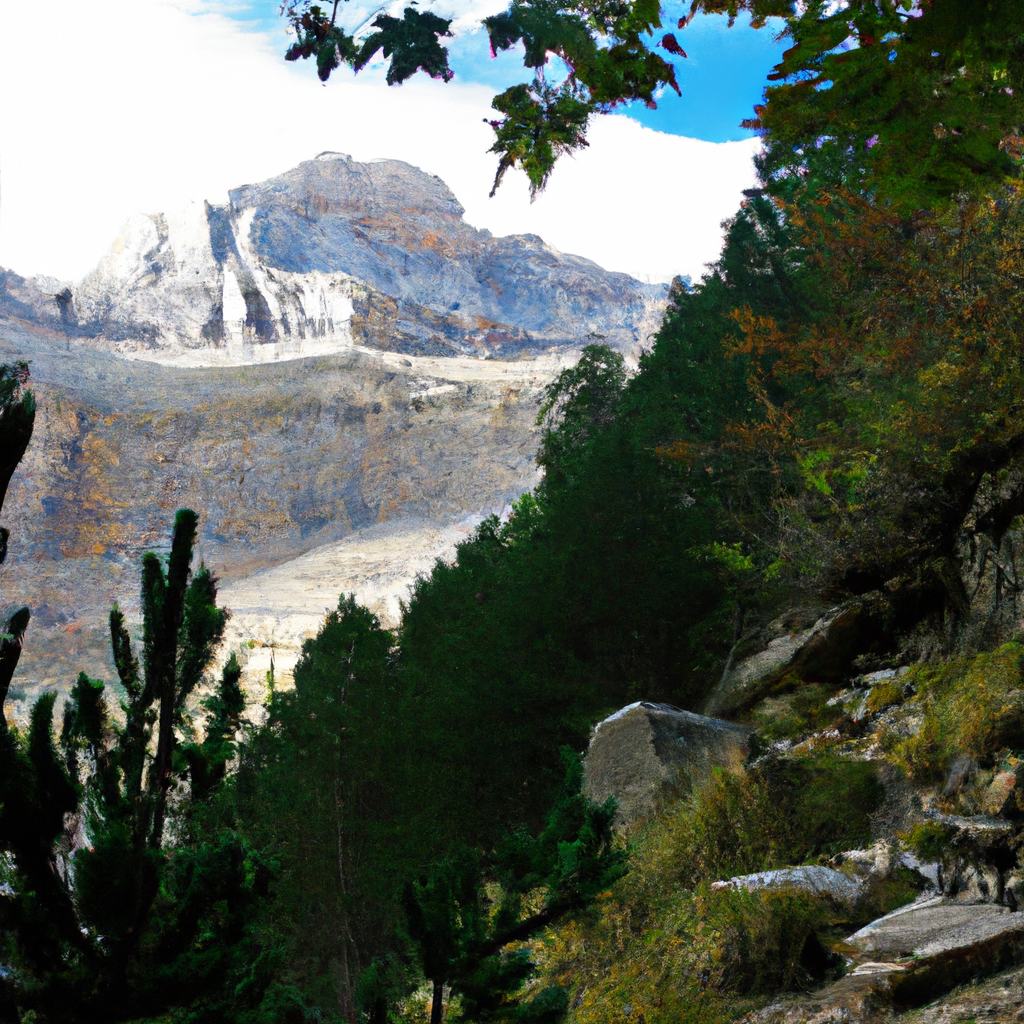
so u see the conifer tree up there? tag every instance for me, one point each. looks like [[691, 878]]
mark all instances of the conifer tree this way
[[112, 915], [17, 416], [464, 913]]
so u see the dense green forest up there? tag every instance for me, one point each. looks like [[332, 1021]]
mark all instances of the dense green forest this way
[[818, 419]]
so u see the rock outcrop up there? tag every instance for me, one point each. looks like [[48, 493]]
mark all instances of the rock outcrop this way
[[814, 879], [331, 254], [938, 926], [645, 752], [278, 460], [812, 645]]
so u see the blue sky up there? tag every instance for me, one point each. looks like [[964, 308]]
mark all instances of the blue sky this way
[[721, 78], [208, 103]]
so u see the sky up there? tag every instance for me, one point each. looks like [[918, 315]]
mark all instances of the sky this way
[[116, 107]]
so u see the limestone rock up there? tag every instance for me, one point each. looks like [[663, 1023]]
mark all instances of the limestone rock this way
[[982, 853], [820, 650], [278, 460], [814, 879], [911, 957], [937, 926], [1001, 795], [336, 253], [646, 751]]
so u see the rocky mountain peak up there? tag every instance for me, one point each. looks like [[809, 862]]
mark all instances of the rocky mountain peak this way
[[335, 184], [334, 254]]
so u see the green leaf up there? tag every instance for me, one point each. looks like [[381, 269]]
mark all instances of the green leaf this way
[[540, 124], [318, 36], [412, 43]]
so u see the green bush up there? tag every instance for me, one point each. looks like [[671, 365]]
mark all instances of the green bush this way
[[664, 942], [782, 811], [884, 695], [790, 715], [970, 706], [768, 940]]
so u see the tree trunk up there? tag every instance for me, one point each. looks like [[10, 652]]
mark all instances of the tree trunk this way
[[437, 1002]]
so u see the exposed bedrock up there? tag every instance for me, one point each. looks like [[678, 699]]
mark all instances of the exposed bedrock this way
[[330, 254]]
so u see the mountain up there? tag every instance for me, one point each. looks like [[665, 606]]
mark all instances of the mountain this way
[[279, 459], [331, 254], [368, 439]]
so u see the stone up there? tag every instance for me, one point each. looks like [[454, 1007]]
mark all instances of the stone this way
[[812, 878], [820, 651], [1000, 798], [982, 852], [645, 752], [963, 770], [914, 956], [939, 925]]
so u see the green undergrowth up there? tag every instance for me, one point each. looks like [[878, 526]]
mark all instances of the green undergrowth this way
[[794, 710], [971, 706], [782, 811], [886, 694], [664, 943], [889, 893]]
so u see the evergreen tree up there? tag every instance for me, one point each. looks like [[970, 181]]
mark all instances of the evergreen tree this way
[[466, 912], [320, 789], [17, 417], [122, 904]]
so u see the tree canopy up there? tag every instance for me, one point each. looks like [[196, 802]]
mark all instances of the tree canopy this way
[[908, 100]]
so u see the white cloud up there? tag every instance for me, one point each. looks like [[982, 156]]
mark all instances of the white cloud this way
[[140, 105], [465, 15]]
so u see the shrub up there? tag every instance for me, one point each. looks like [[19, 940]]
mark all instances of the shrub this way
[[792, 715], [767, 940], [970, 705], [884, 695], [783, 811]]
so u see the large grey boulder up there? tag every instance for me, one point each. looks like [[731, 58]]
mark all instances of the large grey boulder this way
[[910, 957], [645, 752], [949, 942]]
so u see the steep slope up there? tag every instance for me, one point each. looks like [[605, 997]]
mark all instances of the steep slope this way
[[331, 254], [277, 459]]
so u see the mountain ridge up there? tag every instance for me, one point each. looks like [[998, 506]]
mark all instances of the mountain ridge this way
[[333, 254]]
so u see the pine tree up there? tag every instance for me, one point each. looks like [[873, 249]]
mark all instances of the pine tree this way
[[466, 912], [113, 914]]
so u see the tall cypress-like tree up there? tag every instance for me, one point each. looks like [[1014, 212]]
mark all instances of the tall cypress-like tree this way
[[112, 915], [319, 787]]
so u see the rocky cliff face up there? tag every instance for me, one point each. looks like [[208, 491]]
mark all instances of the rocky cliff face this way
[[278, 459], [333, 254], [365, 459]]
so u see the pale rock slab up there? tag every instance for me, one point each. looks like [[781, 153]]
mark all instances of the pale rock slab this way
[[813, 879], [937, 925], [819, 651]]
